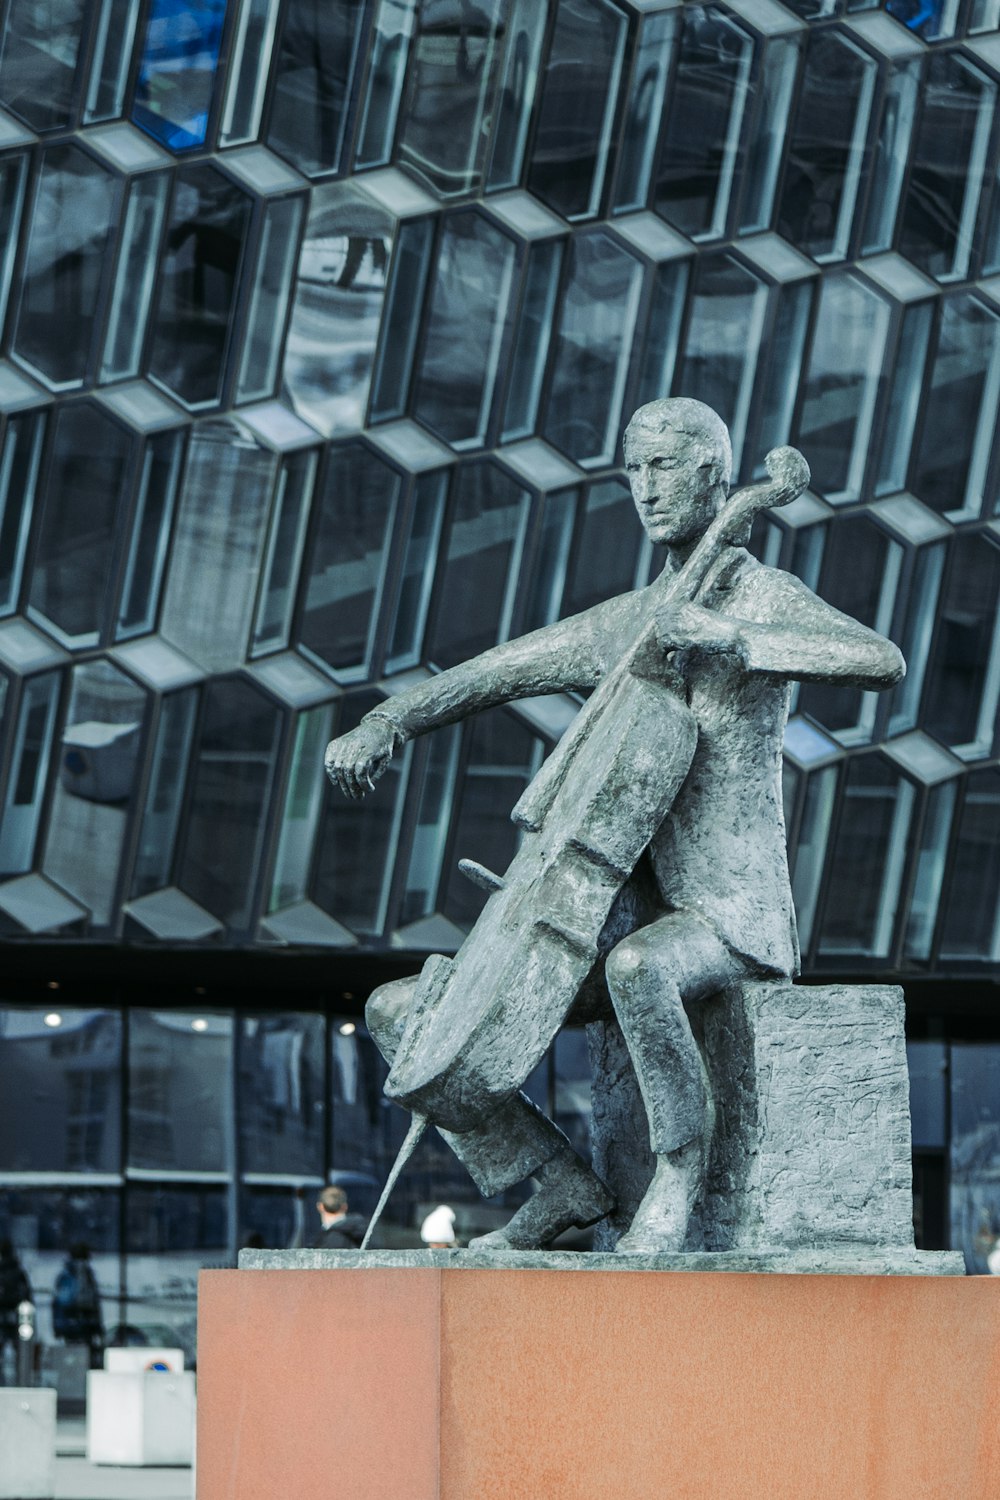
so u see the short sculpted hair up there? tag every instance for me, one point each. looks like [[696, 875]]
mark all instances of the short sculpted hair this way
[[333, 1199], [695, 420]]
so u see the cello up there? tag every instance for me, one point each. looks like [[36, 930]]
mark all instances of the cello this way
[[478, 1023]]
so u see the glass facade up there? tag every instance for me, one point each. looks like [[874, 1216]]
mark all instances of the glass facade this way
[[318, 330]]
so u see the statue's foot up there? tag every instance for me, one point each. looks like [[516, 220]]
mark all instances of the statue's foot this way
[[661, 1220], [569, 1196]]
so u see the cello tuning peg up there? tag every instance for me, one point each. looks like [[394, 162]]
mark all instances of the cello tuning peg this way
[[479, 875]]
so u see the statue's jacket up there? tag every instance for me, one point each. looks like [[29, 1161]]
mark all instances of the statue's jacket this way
[[720, 851]]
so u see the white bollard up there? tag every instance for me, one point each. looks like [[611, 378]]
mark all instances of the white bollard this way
[[27, 1443], [140, 1419]]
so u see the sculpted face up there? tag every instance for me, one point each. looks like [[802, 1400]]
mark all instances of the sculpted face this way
[[676, 490]]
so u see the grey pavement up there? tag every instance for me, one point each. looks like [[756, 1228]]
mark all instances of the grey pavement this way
[[76, 1479]]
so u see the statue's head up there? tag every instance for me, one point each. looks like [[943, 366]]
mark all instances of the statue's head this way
[[679, 458]]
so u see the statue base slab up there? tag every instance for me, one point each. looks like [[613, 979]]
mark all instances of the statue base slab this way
[[452, 1380]]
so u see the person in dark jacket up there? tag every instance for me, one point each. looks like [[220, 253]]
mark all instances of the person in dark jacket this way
[[15, 1288], [76, 1302], [339, 1230]]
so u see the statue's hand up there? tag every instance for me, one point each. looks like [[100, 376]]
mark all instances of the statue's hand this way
[[355, 761], [686, 627]]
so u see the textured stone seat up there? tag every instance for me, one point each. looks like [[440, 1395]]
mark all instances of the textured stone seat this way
[[811, 1137]]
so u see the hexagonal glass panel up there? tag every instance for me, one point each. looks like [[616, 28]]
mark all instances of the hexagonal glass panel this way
[[316, 57], [38, 65], [956, 436], [868, 859]]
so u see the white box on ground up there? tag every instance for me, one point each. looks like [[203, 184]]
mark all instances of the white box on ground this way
[[139, 1361], [27, 1443], [140, 1419]]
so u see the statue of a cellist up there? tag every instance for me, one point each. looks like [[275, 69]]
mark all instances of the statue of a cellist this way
[[672, 771]]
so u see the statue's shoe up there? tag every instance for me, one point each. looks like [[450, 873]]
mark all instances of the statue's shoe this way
[[661, 1220], [570, 1196]]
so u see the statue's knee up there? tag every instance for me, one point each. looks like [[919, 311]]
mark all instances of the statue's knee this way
[[628, 965]]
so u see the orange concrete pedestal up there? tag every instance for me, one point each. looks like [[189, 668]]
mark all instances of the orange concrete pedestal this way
[[389, 1384]]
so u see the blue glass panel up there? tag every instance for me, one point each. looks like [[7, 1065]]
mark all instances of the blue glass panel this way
[[177, 73]]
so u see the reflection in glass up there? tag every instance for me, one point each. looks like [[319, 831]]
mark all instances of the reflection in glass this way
[[231, 784], [38, 65], [928, 1069], [482, 550], [315, 70], [551, 559], [300, 814], [592, 346], [98, 765], [401, 321], [133, 286], [948, 163], [974, 1158], [357, 843], [915, 637], [220, 535], [284, 551], [524, 33], [67, 253], [697, 167], [644, 111], [179, 1098], [165, 792], [842, 384], [151, 524], [775, 88], [861, 567], [339, 292], [78, 522], [42, 1223], [963, 679], [466, 319], [390, 50], [434, 798], [172, 1230], [888, 171], [810, 849], [719, 366], [663, 331], [281, 1088], [868, 859], [781, 378], [571, 1061], [29, 763], [928, 878], [180, 53], [503, 756], [972, 917], [406, 632], [826, 154], [606, 548], [904, 398], [453, 74], [276, 255], [577, 107], [960, 407], [531, 339], [249, 69], [114, 36], [206, 232], [348, 558], [19, 460], [60, 1105]]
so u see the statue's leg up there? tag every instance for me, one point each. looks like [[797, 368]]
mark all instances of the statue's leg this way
[[514, 1142], [650, 975]]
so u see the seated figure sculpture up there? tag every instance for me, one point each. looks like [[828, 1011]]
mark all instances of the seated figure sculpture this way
[[721, 907]]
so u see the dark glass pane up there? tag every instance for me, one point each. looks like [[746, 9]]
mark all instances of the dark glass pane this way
[[960, 705], [972, 918], [281, 571], [168, 777], [150, 531], [13, 175], [868, 859], [179, 1104], [927, 1066], [765, 149], [482, 550], [453, 73], [413, 597], [695, 178], [198, 282], [134, 276], [826, 151], [39, 62], [347, 561], [904, 398], [578, 95], [466, 318], [949, 160], [281, 1093], [249, 65], [572, 1078], [888, 172], [401, 320], [974, 1158], [956, 434], [606, 548], [433, 797], [78, 523], [531, 342], [644, 112], [67, 253], [171, 1231], [502, 759], [929, 874], [180, 54], [524, 34], [109, 66], [592, 348], [386, 77], [28, 770], [313, 82], [719, 365], [19, 461], [231, 784], [60, 1107], [666, 310], [301, 810], [357, 842]]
